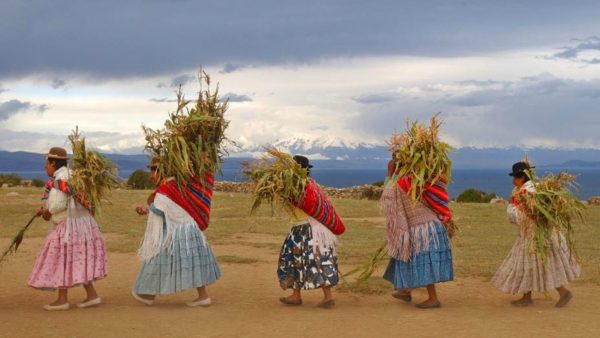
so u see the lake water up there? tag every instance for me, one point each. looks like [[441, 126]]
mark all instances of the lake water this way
[[489, 180]]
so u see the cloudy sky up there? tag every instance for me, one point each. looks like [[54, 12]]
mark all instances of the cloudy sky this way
[[502, 73]]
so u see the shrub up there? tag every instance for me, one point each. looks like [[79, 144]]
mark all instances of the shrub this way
[[371, 193], [36, 182], [140, 179], [472, 195], [378, 183], [10, 179]]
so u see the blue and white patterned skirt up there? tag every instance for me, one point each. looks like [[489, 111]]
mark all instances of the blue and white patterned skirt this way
[[303, 265]]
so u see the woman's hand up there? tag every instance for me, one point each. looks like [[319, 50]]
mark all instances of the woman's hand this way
[[40, 212], [141, 210], [46, 215]]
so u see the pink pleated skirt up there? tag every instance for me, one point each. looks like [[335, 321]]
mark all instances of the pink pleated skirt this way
[[70, 258]]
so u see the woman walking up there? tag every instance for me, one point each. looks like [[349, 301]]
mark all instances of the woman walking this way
[[526, 269], [175, 253]]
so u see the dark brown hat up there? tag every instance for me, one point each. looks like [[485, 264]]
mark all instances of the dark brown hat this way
[[57, 153]]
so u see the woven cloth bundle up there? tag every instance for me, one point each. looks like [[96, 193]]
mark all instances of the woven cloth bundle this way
[[194, 197], [318, 206]]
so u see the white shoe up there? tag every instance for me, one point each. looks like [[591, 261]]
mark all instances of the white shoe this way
[[90, 303], [62, 307], [203, 302], [143, 300]]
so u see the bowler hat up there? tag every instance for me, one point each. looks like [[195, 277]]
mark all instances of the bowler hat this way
[[302, 161], [519, 168], [57, 153]]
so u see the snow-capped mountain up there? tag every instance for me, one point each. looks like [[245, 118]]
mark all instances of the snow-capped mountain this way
[[335, 150], [319, 148]]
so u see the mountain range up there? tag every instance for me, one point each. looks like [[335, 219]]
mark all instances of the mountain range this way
[[329, 152]]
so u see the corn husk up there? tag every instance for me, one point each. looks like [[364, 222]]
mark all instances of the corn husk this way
[[93, 175], [552, 207], [422, 155], [366, 270], [190, 144], [277, 180]]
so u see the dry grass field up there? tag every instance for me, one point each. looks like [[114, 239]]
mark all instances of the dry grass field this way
[[246, 297]]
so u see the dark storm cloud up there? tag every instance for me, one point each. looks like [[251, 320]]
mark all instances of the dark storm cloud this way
[[180, 80], [230, 68], [13, 107], [58, 83], [114, 39], [536, 110], [233, 97], [581, 45]]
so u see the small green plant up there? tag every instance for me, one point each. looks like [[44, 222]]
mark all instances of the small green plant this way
[[473, 195], [10, 179], [36, 182], [140, 179]]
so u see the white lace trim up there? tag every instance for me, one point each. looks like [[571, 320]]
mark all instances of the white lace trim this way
[[177, 221], [323, 238]]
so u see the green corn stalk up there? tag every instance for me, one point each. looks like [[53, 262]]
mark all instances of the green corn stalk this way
[[277, 180], [192, 142]]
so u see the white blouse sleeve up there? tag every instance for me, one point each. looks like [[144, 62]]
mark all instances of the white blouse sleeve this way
[[57, 201], [511, 212]]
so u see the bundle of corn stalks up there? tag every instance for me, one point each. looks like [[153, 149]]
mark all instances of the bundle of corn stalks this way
[[93, 175], [277, 179], [421, 155], [14, 244], [190, 144], [552, 207]]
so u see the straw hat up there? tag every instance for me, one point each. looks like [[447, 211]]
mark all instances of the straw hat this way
[[57, 153]]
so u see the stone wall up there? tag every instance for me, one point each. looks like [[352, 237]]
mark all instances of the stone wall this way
[[366, 191], [594, 200]]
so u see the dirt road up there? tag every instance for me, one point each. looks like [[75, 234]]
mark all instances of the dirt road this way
[[246, 305]]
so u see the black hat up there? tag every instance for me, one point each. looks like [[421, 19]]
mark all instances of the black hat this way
[[519, 168], [302, 161]]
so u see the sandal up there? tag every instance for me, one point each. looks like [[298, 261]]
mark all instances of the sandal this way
[[329, 304], [564, 300], [434, 305], [522, 302], [288, 301], [407, 297]]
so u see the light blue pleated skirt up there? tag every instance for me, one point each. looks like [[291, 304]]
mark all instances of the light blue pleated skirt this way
[[425, 268], [188, 264]]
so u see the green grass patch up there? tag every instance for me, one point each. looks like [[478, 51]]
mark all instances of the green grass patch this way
[[484, 239]]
